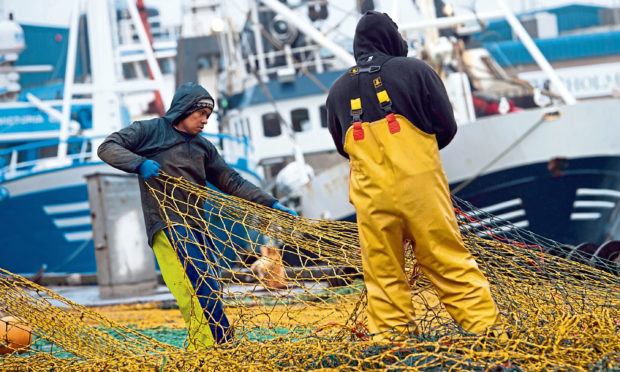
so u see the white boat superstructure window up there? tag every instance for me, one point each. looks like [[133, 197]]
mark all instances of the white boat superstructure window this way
[[271, 125], [323, 113], [300, 119]]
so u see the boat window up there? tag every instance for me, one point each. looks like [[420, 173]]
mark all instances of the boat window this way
[[44, 152], [323, 111], [271, 125], [300, 120], [204, 62], [128, 71]]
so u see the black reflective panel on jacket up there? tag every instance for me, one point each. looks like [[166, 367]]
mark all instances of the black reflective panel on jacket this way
[[195, 159], [415, 90]]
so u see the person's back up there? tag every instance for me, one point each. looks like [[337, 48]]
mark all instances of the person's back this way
[[389, 115], [414, 88]]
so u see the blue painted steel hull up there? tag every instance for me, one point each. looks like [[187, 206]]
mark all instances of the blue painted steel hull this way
[[30, 238], [555, 206]]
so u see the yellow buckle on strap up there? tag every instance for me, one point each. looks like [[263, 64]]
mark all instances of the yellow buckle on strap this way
[[383, 96], [356, 104]]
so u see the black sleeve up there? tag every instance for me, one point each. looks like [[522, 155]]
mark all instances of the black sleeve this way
[[335, 129], [225, 178], [118, 148], [439, 109]]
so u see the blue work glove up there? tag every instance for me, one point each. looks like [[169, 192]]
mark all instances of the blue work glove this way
[[149, 168], [280, 207]]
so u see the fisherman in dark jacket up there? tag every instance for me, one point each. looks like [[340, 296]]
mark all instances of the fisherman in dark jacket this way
[[173, 144], [390, 115]]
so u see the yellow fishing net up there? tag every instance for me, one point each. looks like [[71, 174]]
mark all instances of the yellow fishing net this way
[[292, 290]]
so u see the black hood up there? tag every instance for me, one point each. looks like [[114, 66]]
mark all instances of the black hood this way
[[185, 96], [377, 34]]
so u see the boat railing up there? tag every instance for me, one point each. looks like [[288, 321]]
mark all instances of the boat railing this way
[[288, 53], [41, 156], [32, 157]]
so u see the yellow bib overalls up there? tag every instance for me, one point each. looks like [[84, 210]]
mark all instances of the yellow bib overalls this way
[[400, 192]]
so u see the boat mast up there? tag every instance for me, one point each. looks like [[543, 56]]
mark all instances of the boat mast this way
[[68, 87], [104, 75], [143, 12], [431, 33], [258, 39]]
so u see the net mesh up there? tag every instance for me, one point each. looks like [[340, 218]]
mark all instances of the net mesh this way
[[293, 291]]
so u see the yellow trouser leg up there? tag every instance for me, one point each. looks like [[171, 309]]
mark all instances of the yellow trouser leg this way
[[199, 333], [389, 295], [443, 257]]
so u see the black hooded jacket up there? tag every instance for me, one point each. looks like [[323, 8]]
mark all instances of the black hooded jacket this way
[[414, 88], [195, 159]]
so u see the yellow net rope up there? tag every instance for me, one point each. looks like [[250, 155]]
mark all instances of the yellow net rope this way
[[292, 290]]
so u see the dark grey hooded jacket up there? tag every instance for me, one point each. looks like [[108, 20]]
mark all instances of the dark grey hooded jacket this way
[[414, 88], [195, 159]]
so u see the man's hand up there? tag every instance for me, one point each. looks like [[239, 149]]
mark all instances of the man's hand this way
[[280, 207], [149, 168]]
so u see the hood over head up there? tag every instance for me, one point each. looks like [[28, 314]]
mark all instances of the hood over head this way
[[186, 98], [377, 34]]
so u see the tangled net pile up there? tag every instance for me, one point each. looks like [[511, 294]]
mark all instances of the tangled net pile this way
[[303, 308]]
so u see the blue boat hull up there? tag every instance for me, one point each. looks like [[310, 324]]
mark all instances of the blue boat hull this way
[[31, 238], [576, 204]]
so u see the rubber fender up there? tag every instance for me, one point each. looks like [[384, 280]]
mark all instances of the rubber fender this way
[[609, 251]]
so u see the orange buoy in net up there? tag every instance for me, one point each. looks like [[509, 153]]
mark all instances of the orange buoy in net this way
[[15, 335]]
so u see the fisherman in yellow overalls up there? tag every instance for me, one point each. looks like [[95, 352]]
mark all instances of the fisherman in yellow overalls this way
[[397, 183]]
